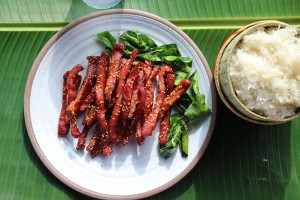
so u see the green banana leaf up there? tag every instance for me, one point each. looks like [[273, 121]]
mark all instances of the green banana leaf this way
[[178, 10], [242, 161]]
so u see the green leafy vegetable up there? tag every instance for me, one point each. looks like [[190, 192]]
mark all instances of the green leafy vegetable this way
[[179, 61], [196, 109], [191, 105], [133, 40], [191, 108], [174, 137], [185, 143], [166, 50], [181, 65], [107, 39], [180, 75], [148, 50], [194, 89], [148, 56], [174, 120]]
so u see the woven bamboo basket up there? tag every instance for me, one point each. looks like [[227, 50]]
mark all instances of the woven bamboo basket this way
[[222, 79]]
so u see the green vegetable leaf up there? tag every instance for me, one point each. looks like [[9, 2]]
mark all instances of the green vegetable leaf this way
[[184, 63], [172, 144], [191, 107], [181, 66], [175, 131], [174, 120], [147, 42], [178, 136], [133, 40], [167, 50], [194, 88], [164, 54], [197, 108], [130, 37], [180, 75], [184, 136], [107, 39], [186, 100], [129, 47], [148, 56], [185, 143], [167, 150]]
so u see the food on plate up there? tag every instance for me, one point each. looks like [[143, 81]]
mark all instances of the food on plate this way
[[88, 101], [63, 122], [151, 120], [149, 90], [70, 86], [165, 119], [264, 70], [117, 96], [191, 106], [113, 68]]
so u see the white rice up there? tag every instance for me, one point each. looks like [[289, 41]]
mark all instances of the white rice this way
[[265, 72]]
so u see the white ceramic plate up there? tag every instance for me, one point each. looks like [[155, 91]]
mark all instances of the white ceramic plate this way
[[131, 171]]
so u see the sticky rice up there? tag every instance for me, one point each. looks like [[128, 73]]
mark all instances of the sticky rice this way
[[264, 70]]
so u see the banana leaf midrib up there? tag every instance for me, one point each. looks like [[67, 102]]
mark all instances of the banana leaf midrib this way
[[184, 24]]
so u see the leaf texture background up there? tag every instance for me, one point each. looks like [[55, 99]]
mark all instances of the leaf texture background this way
[[243, 160], [66, 10]]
